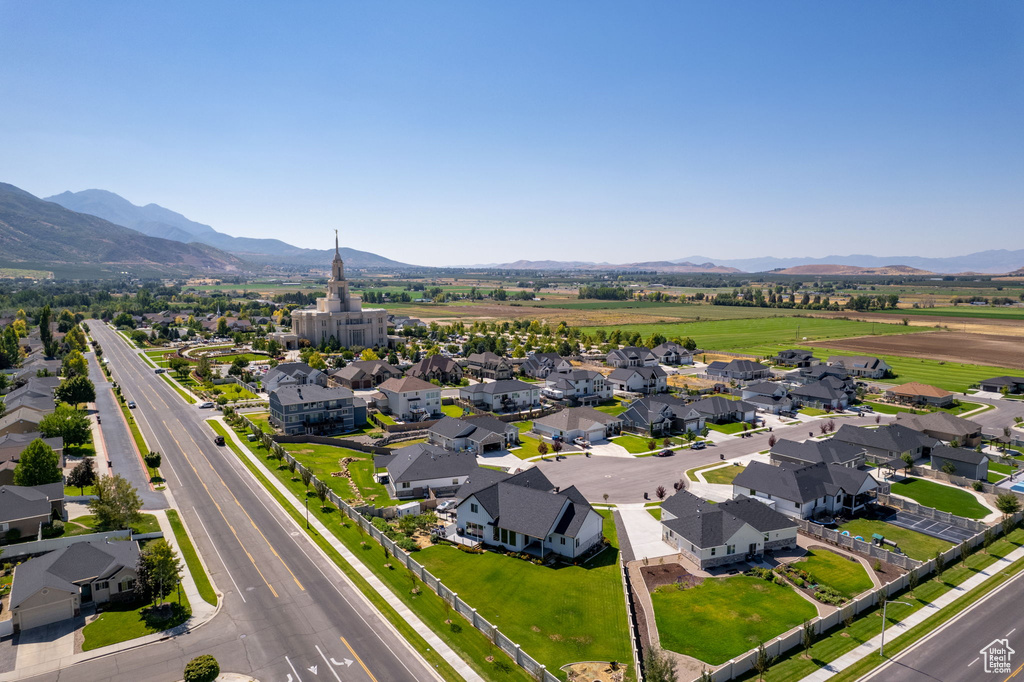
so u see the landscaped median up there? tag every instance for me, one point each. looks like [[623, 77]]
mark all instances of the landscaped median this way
[[188, 553], [467, 642]]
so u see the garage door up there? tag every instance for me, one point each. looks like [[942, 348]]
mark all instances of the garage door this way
[[44, 615]]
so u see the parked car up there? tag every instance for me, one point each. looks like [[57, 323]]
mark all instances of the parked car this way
[[219, 440], [205, 406], [159, 370], [665, 453], [699, 445], [131, 405]]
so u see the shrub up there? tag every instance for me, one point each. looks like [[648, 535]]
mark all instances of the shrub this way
[[470, 550], [977, 486], [13, 535], [407, 544], [54, 529], [202, 669]]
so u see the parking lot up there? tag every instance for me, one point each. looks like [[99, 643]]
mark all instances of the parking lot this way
[[936, 529]]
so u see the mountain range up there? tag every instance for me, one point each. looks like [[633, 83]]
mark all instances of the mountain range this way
[[40, 232], [156, 221]]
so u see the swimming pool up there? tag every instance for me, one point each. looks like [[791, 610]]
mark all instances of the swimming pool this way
[[1017, 488]]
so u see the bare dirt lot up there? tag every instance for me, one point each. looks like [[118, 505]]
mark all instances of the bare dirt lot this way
[[974, 349], [960, 324], [667, 574]]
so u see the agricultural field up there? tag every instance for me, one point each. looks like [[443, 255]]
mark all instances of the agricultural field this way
[[997, 352], [986, 312]]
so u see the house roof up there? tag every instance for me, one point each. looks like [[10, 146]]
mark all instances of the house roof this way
[[480, 480], [710, 525], [477, 427], [1003, 381], [856, 361], [405, 385], [13, 444], [663, 349], [738, 366], [307, 393], [573, 418], [437, 363], [794, 354], [822, 371], [819, 390], [958, 454], [64, 568], [811, 451], [890, 437], [801, 483], [25, 502], [648, 373], [914, 388], [290, 369], [630, 353], [768, 387], [716, 404], [942, 422], [423, 461], [501, 386], [485, 358], [541, 359]]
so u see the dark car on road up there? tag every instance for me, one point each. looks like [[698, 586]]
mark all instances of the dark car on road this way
[[219, 440], [131, 405]]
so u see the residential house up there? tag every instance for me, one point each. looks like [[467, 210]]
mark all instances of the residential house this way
[[13, 444], [711, 535], [820, 395], [437, 368], [638, 380], [540, 365], [28, 508], [966, 463], [422, 469], [631, 356], [719, 410], [487, 365], [914, 393], [52, 587], [767, 396], [577, 387], [477, 434], [410, 399], [861, 365], [508, 395], [829, 451], [661, 415], [670, 353], [292, 374], [808, 375], [795, 358], [887, 442], [525, 513], [578, 422], [944, 426], [740, 370], [363, 374], [22, 420], [1013, 385], [805, 491], [313, 409]]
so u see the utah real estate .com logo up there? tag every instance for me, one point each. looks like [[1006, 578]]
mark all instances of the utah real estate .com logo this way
[[997, 657]]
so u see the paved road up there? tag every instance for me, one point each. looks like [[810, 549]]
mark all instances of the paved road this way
[[285, 608], [953, 654]]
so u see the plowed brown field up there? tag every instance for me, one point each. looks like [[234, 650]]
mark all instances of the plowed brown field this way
[[974, 349]]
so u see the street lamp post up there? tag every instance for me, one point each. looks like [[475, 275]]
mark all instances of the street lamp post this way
[[307, 513], [881, 646]]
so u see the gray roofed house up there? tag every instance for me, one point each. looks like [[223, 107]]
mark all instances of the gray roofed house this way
[[819, 372], [540, 365], [26, 508], [861, 365], [829, 451], [488, 365], [292, 374], [944, 426], [638, 380], [716, 534], [479, 434], [820, 395], [1014, 385], [767, 396], [631, 356], [13, 444], [887, 442], [437, 368], [671, 353], [577, 386], [809, 490], [718, 410], [363, 374], [52, 587], [964, 462], [416, 470], [578, 422], [502, 396], [741, 370], [795, 358], [316, 410]]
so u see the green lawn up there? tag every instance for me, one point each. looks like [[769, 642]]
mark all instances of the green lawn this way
[[524, 426], [84, 450], [915, 545], [528, 447], [177, 389], [386, 419], [722, 618], [734, 427], [262, 420], [83, 525], [886, 408], [812, 412], [635, 444], [452, 410], [942, 497], [692, 473], [655, 512], [613, 407], [119, 623], [994, 477], [233, 392], [723, 475], [989, 312], [828, 568], [70, 491], [558, 615], [188, 553]]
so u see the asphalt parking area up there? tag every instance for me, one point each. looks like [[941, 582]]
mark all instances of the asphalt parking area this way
[[936, 529]]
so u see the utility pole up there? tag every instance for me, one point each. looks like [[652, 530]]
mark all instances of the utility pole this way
[[881, 647]]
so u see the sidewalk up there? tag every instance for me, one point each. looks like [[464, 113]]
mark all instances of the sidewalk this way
[[897, 629], [435, 642], [102, 466]]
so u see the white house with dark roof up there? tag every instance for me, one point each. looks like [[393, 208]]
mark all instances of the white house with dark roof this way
[[639, 380], [716, 534], [829, 451], [795, 357], [437, 368], [631, 356], [741, 370], [488, 365], [578, 422], [820, 395], [808, 490], [577, 386], [410, 399], [478, 434], [861, 365], [670, 353], [887, 442], [419, 469], [292, 374], [662, 414], [507, 395], [719, 410], [540, 365], [525, 513]]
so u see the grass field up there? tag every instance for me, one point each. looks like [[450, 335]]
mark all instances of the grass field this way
[[723, 475], [942, 497], [846, 577], [188, 553], [732, 428], [452, 410], [722, 618], [983, 312], [915, 545], [122, 622], [558, 615], [635, 444]]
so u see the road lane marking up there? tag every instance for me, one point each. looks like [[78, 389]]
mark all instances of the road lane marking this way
[[973, 662], [1010, 632], [298, 679], [214, 545], [329, 666], [1014, 673], [358, 660]]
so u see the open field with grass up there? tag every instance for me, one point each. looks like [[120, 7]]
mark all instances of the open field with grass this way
[[635, 444], [942, 497], [829, 568], [724, 617], [915, 545], [614, 407], [559, 615]]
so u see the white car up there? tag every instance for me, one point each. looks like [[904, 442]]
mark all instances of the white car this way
[[205, 406]]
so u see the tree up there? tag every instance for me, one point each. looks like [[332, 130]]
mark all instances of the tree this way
[[75, 365], [203, 369], [660, 492], [948, 468], [368, 354], [772, 440], [152, 459], [321, 491], [117, 503], [542, 448], [76, 390], [556, 446], [908, 460], [68, 423], [159, 569], [202, 669], [46, 333], [762, 662], [808, 636], [659, 667], [222, 327], [1007, 504], [82, 476], [179, 366], [316, 361], [307, 476], [38, 465]]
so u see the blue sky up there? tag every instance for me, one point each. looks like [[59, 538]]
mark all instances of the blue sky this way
[[468, 132]]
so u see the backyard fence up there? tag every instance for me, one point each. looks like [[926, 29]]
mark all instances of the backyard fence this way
[[961, 481], [931, 513], [416, 570], [859, 546]]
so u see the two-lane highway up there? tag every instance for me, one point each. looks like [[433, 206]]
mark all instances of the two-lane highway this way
[[288, 615]]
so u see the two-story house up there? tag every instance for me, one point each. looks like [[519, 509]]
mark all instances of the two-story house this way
[[660, 415], [577, 386], [631, 356], [670, 353], [488, 365], [410, 399], [541, 365], [313, 409], [639, 380], [437, 368], [508, 395]]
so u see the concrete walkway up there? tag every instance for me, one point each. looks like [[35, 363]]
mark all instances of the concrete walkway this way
[[102, 460], [895, 630], [643, 531], [435, 642]]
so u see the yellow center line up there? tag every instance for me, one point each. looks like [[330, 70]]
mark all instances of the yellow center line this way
[[358, 660], [1014, 673]]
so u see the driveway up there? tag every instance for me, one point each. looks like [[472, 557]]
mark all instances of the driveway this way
[[47, 643], [644, 532], [936, 529]]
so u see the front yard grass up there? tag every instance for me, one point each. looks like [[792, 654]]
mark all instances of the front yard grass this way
[[942, 497], [528, 447], [829, 568], [635, 444], [188, 553], [558, 615], [724, 617], [731, 428], [121, 622], [614, 407], [723, 475], [83, 525], [655, 512], [812, 412], [915, 545]]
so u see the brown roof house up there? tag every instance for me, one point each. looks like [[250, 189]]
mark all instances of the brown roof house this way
[[914, 393]]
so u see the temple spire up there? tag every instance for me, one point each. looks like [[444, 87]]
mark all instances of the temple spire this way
[[337, 253]]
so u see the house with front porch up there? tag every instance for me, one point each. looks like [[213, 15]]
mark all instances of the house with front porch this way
[[419, 470], [829, 451], [578, 422], [478, 434], [540, 365], [887, 442], [410, 399], [820, 395], [645, 380], [712, 535], [670, 353], [508, 395], [795, 357], [661, 415], [437, 368], [719, 410], [767, 396], [577, 387], [363, 374], [525, 513], [740, 370], [631, 356], [861, 365], [806, 491]]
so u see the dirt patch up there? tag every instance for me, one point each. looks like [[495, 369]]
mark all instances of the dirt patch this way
[[595, 671], [973, 349], [668, 574]]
